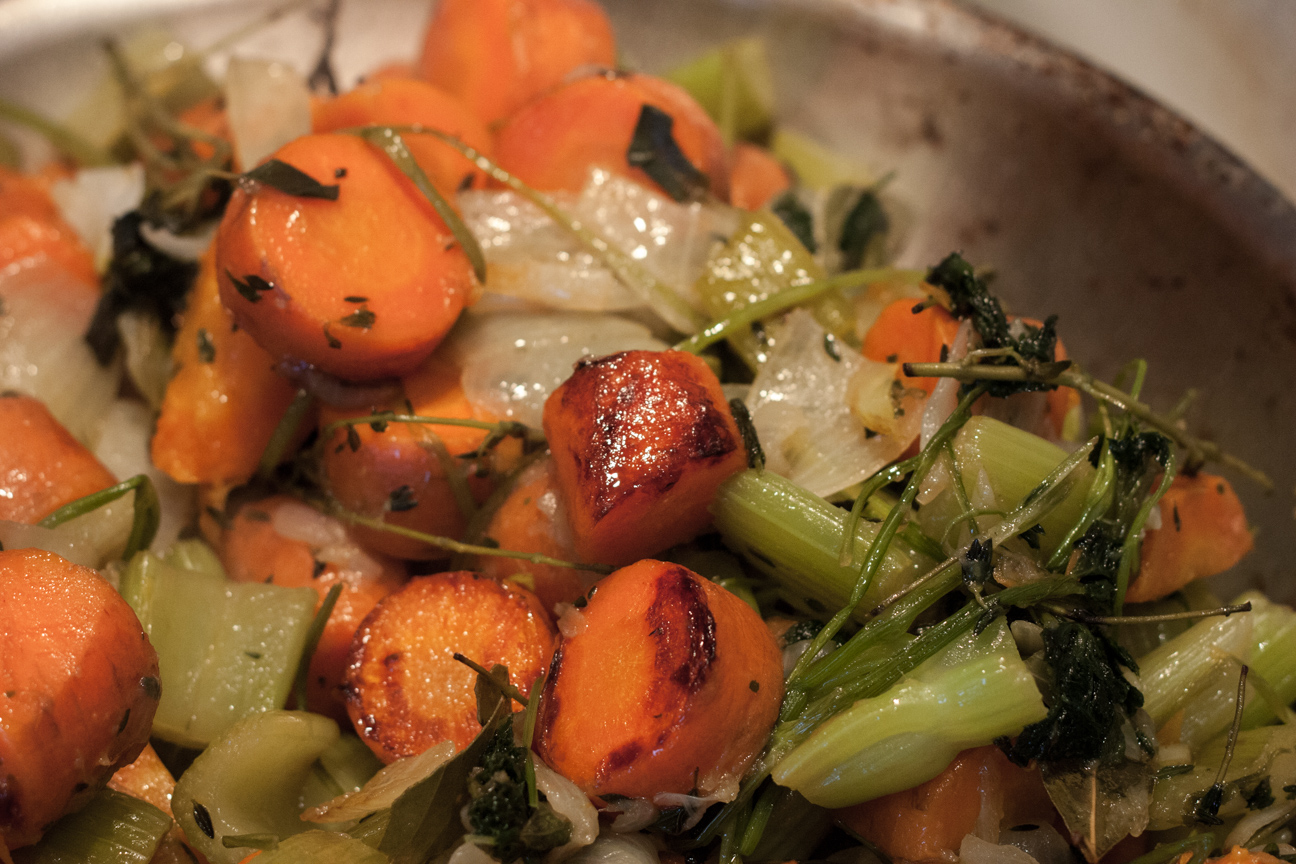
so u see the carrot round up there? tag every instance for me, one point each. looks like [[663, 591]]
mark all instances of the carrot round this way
[[363, 287], [553, 142], [901, 335], [253, 550], [27, 195], [497, 55], [79, 685], [42, 467], [756, 177], [1203, 532], [406, 101], [531, 519], [641, 440], [224, 401], [929, 821], [405, 691], [395, 474], [672, 685]]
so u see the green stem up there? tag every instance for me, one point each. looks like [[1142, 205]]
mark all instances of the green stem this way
[[504, 428], [743, 318], [1133, 538], [148, 511], [1096, 504], [313, 635], [284, 433], [64, 140], [886, 476], [1199, 844]]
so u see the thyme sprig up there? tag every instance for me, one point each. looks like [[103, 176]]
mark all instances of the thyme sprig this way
[[496, 431]]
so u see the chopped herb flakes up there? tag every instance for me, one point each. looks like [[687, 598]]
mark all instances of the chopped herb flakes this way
[[361, 319], [291, 181], [206, 348], [653, 148]]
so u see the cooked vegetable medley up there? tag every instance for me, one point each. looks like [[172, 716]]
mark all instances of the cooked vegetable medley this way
[[515, 456]]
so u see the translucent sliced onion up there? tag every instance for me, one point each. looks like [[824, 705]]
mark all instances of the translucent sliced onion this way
[[806, 423], [93, 199], [328, 538], [268, 105], [532, 258], [123, 447], [42, 352], [974, 850], [944, 399], [383, 788], [613, 848], [470, 853], [566, 798], [512, 362], [148, 356], [636, 814], [91, 540]]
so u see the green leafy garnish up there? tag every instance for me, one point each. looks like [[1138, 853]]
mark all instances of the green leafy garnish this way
[[290, 180], [798, 219], [654, 150], [250, 287], [864, 223]]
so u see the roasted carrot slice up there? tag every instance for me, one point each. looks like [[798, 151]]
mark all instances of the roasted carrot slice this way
[[406, 101], [531, 519], [363, 287], [756, 177], [79, 683], [1203, 532], [553, 142], [497, 55], [672, 685], [640, 442], [901, 335], [224, 400], [254, 550], [405, 692], [929, 821], [396, 474], [26, 240], [42, 467], [1239, 855], [27, 195]]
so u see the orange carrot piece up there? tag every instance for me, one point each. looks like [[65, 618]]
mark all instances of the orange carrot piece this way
[[641, 440], [27, 195], [497, 55], [756, 177], [363, 287], [149, 780], [224, 400], [1203, 532], [929, 821], [79, 683], [396, 475], [1240, 855], [531, 519], [42, 467], [26, 240], [405, 691], [254, 551], [672, 685], [900, 335], [405, 101], [553, 142]]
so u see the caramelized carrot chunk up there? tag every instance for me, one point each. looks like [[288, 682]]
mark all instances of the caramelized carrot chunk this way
[[497, 55], [78, 689], [1203, 532], [672, 685], [223, 402], [42, 467], [640, 442], [900, 335], [553, 142], [756, 177], [363, 287], [405, 691]]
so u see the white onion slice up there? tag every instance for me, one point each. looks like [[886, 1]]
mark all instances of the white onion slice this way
[[42, 350], [328, 538], [974, 850], [566, 798], [91, 540], [93, 199], [944, 399], [268, 104], [799, 405], [383, 788], [470, 853], [613, 848], [512, 362]]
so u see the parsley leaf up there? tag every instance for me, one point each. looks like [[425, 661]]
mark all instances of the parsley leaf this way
[[654, 149], [290, 180]]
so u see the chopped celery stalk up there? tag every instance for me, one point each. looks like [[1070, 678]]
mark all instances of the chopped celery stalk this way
[[382, 789], [815, 165], [1178, 671], [344, 768], [1270, 751], [794, 537], [111, 829], [733, 82], [250, 781], [1000, 466], [763, 258], [225, 650], [195, 555], [968, 694], [322, 847]]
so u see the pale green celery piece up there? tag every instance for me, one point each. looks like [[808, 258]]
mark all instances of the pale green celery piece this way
[[794, 537], [967, 695], [1259, 752], [322, 847], [733, 82], [225, 650], [343, 768], [1142, 638], [763, 258], [815, 165], [111, 829], [1174, 673], [1014, 462], [250, 781], [195, 555]]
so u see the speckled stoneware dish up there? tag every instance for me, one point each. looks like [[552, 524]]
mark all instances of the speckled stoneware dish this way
[[1086, 198]]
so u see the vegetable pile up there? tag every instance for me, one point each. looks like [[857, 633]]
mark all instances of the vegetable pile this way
[[524, 458]]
